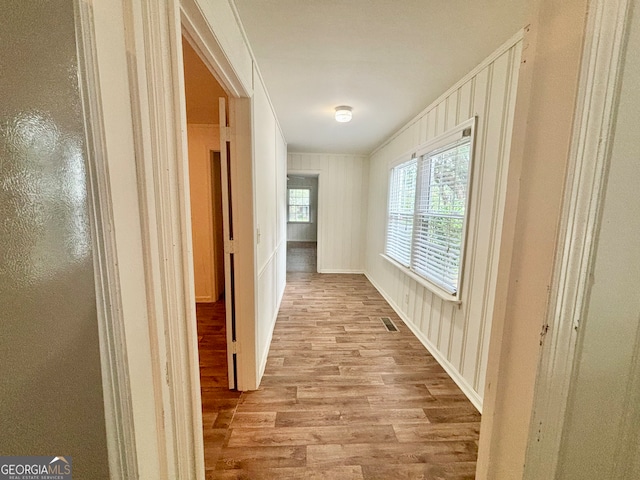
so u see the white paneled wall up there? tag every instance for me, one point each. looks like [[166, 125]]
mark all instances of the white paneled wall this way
[[270, 157], [457, 335], [342, 207]]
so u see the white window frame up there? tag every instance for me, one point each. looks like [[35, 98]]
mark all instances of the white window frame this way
[[465, 129], [289, 205], [399, 220]]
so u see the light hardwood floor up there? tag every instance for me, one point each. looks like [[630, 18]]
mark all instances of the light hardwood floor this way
[[341, 398]]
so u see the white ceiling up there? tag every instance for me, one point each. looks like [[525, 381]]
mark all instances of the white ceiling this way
[[388, 59]]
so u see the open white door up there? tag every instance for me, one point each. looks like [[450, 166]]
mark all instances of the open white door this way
[[227, 222]]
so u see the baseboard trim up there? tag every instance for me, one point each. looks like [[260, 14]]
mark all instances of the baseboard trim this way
[[469, 392], [339, 270]]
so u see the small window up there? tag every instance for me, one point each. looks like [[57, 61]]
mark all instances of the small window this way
[[299, 205], [428, 198]]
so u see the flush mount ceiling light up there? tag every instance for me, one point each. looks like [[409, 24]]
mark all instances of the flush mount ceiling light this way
[[343, 114]]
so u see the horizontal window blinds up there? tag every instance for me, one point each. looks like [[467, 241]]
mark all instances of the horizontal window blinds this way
[[428, 199], [402, 193], [439, 214]]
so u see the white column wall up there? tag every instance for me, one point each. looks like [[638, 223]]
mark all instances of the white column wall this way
[[270, 185], [601, 435]]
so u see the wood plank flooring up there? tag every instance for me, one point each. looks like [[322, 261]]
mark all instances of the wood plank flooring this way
[[218, 402], [341, 398]]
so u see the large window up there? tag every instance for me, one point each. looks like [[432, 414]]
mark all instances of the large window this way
[[428, 197], [299, 205]]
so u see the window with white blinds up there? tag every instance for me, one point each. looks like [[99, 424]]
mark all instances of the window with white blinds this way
[[428, 198], [402, 195]]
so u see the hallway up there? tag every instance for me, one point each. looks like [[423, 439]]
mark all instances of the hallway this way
[[341, 398], [302, 257]]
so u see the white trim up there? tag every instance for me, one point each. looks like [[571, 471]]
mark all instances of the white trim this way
[[432, 287], [121, 442], [298, 187], [341, 271], [448, 137], [467, 389], [595, 111], [270, 259], [155, 74], [202, 37], [324, 154], [502, 49], [308, 173]]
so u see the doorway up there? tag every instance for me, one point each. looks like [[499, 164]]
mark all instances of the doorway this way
[[209, 195], [202, 92], [302, 223]]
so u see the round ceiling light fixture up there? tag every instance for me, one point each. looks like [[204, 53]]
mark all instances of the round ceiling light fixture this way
[[343, 114]]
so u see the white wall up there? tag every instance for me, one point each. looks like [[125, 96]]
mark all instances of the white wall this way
[[305, 232], [270, 159], [456, 335], [601, 433], [542, 137], [342, 207]]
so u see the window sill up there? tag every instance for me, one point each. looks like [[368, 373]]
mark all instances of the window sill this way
[[300, 223], [423, 281]]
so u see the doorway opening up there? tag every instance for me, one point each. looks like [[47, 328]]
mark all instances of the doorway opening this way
[[302, 223], [211, 223]]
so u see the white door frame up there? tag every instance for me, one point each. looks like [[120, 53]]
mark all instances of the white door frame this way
[[587, 169], [144, 264], [319, 251], [119, 413], [198, 32]]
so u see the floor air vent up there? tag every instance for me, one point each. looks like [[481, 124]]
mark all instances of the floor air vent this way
[[389, 324]]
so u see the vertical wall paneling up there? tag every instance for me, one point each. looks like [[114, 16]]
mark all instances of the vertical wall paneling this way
[[499, 206], [342, 203], [457, 335], [270, 217]]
